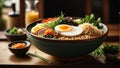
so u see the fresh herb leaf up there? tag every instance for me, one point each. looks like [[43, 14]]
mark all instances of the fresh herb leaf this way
[[106, 48], [13, 30], [98, 52], [111, 48], [52, 24], [90, 19]]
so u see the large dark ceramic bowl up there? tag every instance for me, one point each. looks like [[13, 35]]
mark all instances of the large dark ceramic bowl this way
[[65, 48]]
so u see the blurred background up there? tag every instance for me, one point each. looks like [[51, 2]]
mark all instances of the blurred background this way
[[21, 12]]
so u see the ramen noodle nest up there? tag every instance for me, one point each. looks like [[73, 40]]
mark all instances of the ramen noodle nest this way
[[89, 31]]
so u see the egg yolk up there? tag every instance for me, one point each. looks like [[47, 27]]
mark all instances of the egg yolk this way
[[65, 27], [36, 29]]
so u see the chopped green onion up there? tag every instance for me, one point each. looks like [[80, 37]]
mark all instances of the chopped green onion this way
[[40, 57]]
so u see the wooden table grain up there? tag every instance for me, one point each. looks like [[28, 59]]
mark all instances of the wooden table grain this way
[[8, 60]]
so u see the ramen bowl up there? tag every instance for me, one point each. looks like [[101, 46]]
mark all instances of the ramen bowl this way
[[65, 48]]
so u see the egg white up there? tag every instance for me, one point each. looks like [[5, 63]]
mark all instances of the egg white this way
[[76, 30]]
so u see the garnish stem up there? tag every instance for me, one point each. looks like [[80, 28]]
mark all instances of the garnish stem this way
[[40, 57]]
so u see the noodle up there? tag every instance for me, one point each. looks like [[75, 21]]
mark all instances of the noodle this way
[[89, 31]]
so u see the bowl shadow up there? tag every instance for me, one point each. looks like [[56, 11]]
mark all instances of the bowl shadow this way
[[18, 59]]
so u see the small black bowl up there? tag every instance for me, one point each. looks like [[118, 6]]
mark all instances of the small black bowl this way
[[15, 37], [19, 51]]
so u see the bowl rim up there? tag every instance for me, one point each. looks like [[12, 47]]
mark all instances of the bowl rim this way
[[81, 40], [19, 41]]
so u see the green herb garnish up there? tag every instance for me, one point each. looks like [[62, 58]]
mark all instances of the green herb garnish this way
[[90, 19], [98, 52], [52, 24], [13, 30], [111, 48], [106, 48], [48, 36]]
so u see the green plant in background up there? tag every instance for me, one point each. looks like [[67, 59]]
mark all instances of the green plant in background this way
[[1, 3], [1, 19], [1, 6]]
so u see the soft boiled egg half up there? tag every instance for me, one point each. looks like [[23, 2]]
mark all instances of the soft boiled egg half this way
[[36, 28], [68, 30]]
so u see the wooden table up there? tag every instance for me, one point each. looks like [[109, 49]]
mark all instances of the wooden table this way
[[7, 59]]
